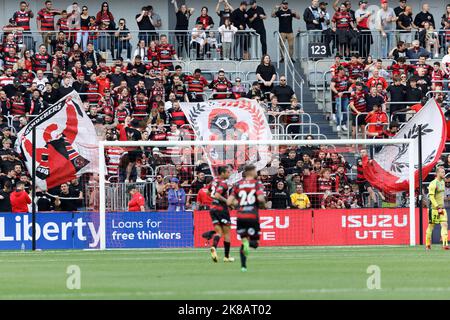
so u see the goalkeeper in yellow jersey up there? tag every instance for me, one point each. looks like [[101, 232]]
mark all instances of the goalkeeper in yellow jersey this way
[[436, 212]]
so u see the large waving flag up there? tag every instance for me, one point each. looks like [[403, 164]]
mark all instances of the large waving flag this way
[[242, 119], [66, 143], [389, 169]]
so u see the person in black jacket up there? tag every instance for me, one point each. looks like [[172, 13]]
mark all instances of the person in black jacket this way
[[313, 20], [397, 92], [239, 19], [36, 104], [256, 16], [5, 202], [424, 16], [280, 197]]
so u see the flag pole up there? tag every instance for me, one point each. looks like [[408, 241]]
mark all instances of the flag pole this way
[[33, 190], [420, 185]]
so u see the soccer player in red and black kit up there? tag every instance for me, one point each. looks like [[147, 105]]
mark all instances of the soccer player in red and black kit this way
[[219, 213], [247, 197]]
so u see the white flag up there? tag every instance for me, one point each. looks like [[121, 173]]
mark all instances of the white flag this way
[[242, 119]]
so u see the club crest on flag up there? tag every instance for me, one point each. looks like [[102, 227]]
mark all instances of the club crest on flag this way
[[238, 120]]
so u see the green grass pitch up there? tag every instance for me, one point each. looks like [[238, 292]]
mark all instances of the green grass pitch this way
[[274, 273]]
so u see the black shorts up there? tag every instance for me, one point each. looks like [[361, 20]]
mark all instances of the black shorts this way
[[343, 36], [133, 155], [248, 228], [220, 217], [363, 187], [361, 120]]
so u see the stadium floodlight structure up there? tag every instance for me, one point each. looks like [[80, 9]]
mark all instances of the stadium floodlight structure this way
[[363, 143]]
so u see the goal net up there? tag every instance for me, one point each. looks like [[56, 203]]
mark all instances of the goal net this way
[[353, 192]]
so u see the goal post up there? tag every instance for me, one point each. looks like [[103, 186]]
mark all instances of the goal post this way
[[361, 143]]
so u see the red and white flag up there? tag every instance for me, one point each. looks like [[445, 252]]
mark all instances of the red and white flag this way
[[66, 143], [242, 119], [389, 169]]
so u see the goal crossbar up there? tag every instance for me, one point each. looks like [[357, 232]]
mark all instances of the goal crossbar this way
[[198, 143]]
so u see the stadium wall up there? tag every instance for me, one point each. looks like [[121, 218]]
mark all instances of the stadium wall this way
[[127, 10], [79, 230]]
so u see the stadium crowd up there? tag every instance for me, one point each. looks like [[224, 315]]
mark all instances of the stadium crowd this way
[[138, 97]]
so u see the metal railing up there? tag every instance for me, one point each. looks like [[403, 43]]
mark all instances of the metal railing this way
[[290, 71], [364, 42], [206, 45]]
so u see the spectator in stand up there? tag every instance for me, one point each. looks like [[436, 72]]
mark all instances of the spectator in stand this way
[[325, 21], [342, 23], [255, 92], [238, 89], [376, 121], [424, 16], [283, 92], [166, 53], [239, 19], [122, 39], [41, 59], [285, 28], [204, 200], [299, 199], [445, 63], [5, 198], [183, 14], [205, 20], [413, 92], [397, 92], [428, 38], [68, 199], [20, 199], [196, 85], [198, 40], [256, 16], [226, 12], [387, 25], [339, 87], [365, 40], [416, 51], [373, 98], [84, 26], [219, 85], [46, 21], [280, 197], [401, 7], [22, 20], [73, 23], [330, 201], [227, 32], [137, 201], [399, 51], [405, 25], [105, 16], [348, 197], [35, 104], [266, 74], [176, 196], [423, 80], [358, 105], [312, 18], [146, 28], [376, 79]]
